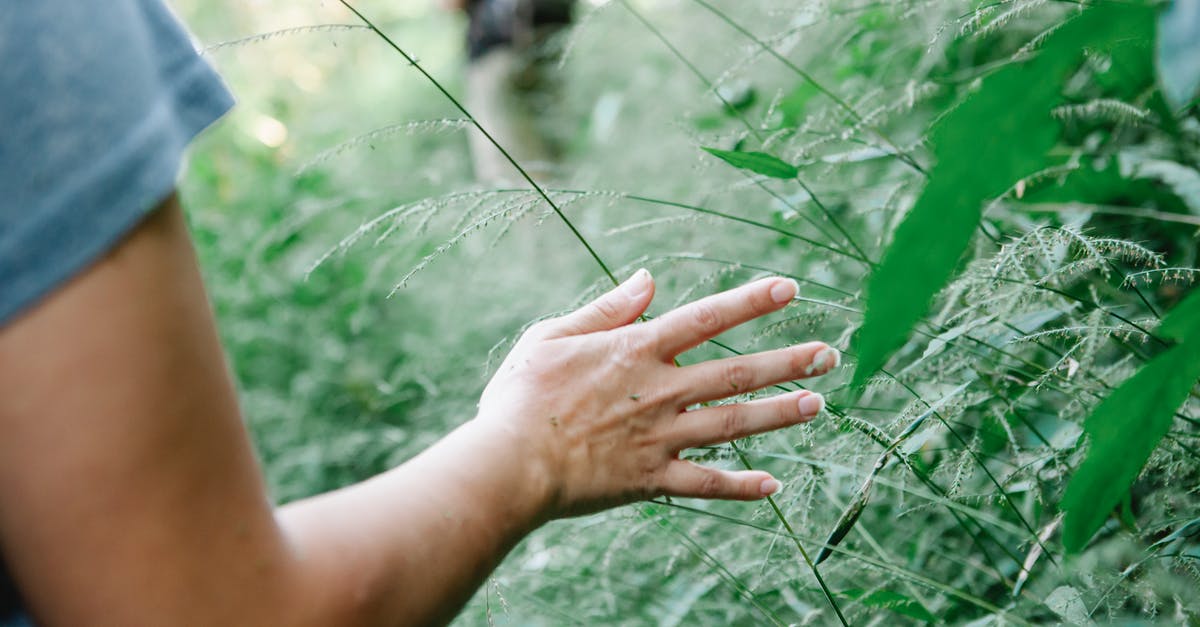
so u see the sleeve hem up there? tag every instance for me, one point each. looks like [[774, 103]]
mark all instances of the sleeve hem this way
[[94, 210]]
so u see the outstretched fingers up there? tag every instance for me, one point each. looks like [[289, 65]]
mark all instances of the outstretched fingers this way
[[690, 325], [723, 423], [617, 308], [713, 380], [685, 479]]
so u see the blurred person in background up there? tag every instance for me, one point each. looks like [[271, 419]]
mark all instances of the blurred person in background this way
[[129, 490], [512, 85]]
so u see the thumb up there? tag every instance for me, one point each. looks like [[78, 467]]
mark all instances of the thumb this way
[[619, 307]]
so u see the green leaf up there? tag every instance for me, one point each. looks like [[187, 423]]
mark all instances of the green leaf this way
[[758, 162], [1179, 51], [893, 601], [1183, 323], [1007, 137], [1127, 426], [791, 107]]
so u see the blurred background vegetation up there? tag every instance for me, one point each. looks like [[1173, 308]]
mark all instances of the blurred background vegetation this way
[[348, 363]]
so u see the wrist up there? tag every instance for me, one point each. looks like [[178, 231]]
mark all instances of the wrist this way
[[509, 468]]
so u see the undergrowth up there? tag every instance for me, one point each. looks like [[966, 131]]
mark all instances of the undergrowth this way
[[365, 286]]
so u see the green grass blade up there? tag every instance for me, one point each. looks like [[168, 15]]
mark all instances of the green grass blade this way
[[757, 162]]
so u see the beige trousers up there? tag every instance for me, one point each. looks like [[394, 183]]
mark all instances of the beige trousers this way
[[506, 111]]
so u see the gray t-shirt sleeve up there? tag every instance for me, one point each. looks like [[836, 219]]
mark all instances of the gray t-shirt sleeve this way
[[98, 101]]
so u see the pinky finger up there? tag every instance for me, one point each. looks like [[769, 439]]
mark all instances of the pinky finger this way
[[686, 479]]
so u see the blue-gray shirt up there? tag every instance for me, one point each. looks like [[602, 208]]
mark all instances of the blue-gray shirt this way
[[98, 100]]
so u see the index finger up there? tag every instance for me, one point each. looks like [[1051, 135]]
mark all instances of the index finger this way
[[694, 323]]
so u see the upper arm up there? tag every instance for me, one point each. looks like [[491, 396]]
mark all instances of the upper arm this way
[[129, 491]]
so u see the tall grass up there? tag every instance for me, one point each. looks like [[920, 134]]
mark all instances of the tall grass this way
[[932, 494]]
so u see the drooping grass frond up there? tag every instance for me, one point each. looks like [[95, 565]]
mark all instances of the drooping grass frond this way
[[505, 213], [1035, 43], [285, 32], [1103, 110], [1051, 255], [803, 324], [848, 422], [1159, 276], [652, 223], [1086, 332], [390, 217], [384, 133], [1004, 14], [704, 285]]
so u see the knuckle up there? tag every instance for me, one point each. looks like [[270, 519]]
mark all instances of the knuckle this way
[[732, 422], [706, 317], [798, 361], [787, 411], [541, 328], [738, 377], [710, 485], [606, 309], [638, 342], [624, 350], [650, 483]]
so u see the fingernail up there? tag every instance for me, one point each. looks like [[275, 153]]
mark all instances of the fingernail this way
[[784, 291], [811, 405], [825, 360], [637, 284], [770, 486]]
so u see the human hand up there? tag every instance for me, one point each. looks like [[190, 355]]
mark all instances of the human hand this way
[[599, 406]]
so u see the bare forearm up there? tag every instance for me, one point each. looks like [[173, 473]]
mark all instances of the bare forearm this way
[[411, 545]]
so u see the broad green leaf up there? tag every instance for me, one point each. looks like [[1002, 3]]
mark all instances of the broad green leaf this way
[[893, 601], [1127, 426], [1179, 51], [758, 162], [982, 146], [1182, 324]]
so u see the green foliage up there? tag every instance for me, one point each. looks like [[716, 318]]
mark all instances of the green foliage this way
[[364, 300], [892, 601], [757, 162], [1007, 137], [1128, 425]]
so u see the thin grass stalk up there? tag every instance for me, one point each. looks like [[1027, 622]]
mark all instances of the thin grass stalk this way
[[740, 587], [799, 545], [881, 564], [492, 140], [921, 475]]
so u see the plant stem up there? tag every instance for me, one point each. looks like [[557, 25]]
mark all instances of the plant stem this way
[[792, 533], [492, 140]]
